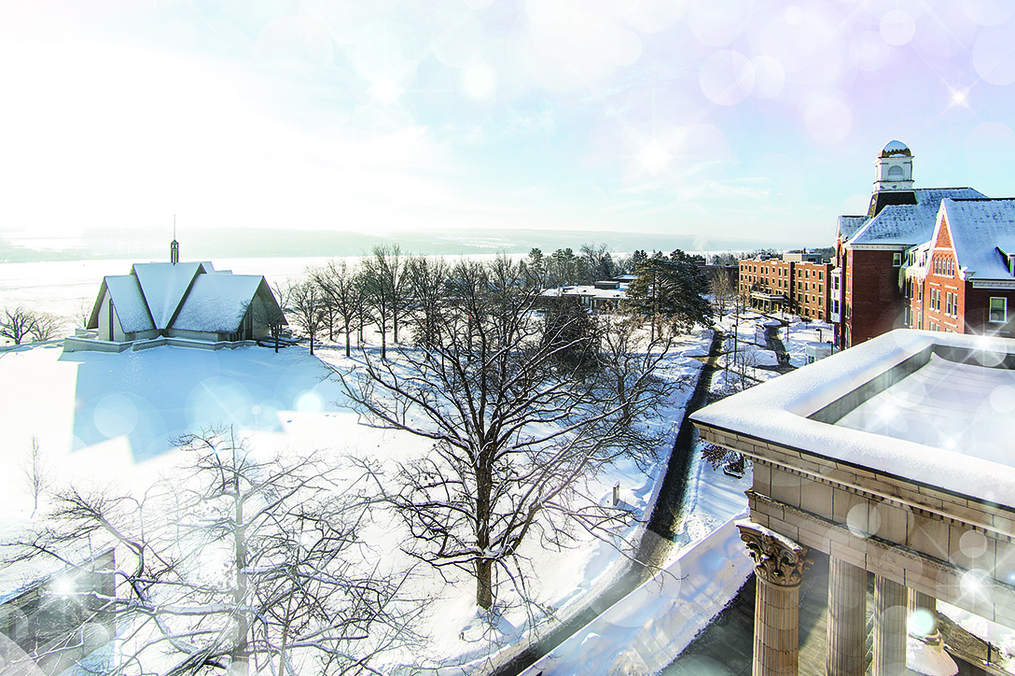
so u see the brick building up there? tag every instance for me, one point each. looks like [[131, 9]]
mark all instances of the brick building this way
[[931, 258], [796, 283]]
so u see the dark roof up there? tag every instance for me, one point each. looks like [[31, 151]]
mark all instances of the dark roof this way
[[883, 198]]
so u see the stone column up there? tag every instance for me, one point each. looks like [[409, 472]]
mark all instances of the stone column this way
[[923, 617], [890, 610], [846, 650], [779, 564]]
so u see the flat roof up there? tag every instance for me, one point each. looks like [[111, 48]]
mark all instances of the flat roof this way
[[964, 408], [925, 406]]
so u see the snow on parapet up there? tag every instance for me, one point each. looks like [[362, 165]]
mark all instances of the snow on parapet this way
[[779, 411]]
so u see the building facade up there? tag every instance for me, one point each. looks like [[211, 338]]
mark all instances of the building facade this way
[[795, 283], [885, 458], [923, 258]]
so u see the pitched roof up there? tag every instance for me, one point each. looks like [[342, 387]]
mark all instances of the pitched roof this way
[[978, 228], [164, 285], [909, 224], [848, 225], [184, 296], [217, 303], [128, 301]]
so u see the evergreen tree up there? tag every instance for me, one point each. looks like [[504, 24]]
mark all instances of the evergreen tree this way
[[669, 292]]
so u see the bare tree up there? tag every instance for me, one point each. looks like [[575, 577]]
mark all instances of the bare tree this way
[[83, 312], [344, 293], [307, 306], [239, 564], [516, 433], [723, 290], [384, 284], [631, 363], [20, 323], [597, 261], [37, 472], [428, 289]]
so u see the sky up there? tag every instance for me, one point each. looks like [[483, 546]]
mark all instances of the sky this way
[[742, 117]]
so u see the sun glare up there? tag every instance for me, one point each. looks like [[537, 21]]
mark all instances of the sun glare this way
[[654, 157], [959, 98]]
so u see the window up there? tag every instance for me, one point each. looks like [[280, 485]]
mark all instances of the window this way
[[998, 310], [896, 260]]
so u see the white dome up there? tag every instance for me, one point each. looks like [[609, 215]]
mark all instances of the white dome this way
[[893, 148]]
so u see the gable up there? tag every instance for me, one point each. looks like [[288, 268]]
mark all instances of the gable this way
[[978, 229], [944, 238], [164, 286]]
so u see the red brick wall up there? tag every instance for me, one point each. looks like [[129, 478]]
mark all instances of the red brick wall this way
[[872, 294], [976, 306], [810, 289]]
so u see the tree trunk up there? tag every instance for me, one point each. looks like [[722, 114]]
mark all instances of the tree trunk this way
[[347, 340], [484, 567], [239, 657], [484, 584]]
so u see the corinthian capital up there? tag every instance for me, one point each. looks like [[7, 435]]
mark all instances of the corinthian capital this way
[[777, 559]]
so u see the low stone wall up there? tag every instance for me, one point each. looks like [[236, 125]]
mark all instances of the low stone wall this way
[[73, 344]]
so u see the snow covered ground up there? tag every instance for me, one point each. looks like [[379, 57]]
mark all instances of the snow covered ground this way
[[110, 420], [650, 627]]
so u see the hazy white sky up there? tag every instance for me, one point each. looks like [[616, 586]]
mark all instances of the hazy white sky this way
[[733, 116]]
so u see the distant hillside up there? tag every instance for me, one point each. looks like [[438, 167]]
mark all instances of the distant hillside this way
[[232, 243]]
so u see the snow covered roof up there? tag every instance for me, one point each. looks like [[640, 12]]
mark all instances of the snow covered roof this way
[[848, 225], [184, 296], [128, 301], [217, 303], [908, 224], [164, 286], [978, 228], [966, 402], [894, 148]]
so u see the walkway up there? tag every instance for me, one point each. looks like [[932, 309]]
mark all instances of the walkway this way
[[657, 541]]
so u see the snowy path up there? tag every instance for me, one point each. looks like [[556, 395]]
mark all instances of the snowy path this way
[[647, 629]]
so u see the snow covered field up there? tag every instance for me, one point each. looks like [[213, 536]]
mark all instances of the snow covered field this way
[[110, 420]]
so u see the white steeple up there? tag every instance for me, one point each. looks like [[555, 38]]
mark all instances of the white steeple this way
[[893, 168]]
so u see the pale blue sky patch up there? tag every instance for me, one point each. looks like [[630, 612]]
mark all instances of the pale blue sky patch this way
[[409, 115]]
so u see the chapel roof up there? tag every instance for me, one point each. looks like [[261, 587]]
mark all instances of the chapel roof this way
[[184, 296]]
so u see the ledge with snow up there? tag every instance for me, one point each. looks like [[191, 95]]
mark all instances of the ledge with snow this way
[[894, 457]]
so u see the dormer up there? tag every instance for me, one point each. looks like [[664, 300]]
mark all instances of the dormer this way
[[1009, 260]]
